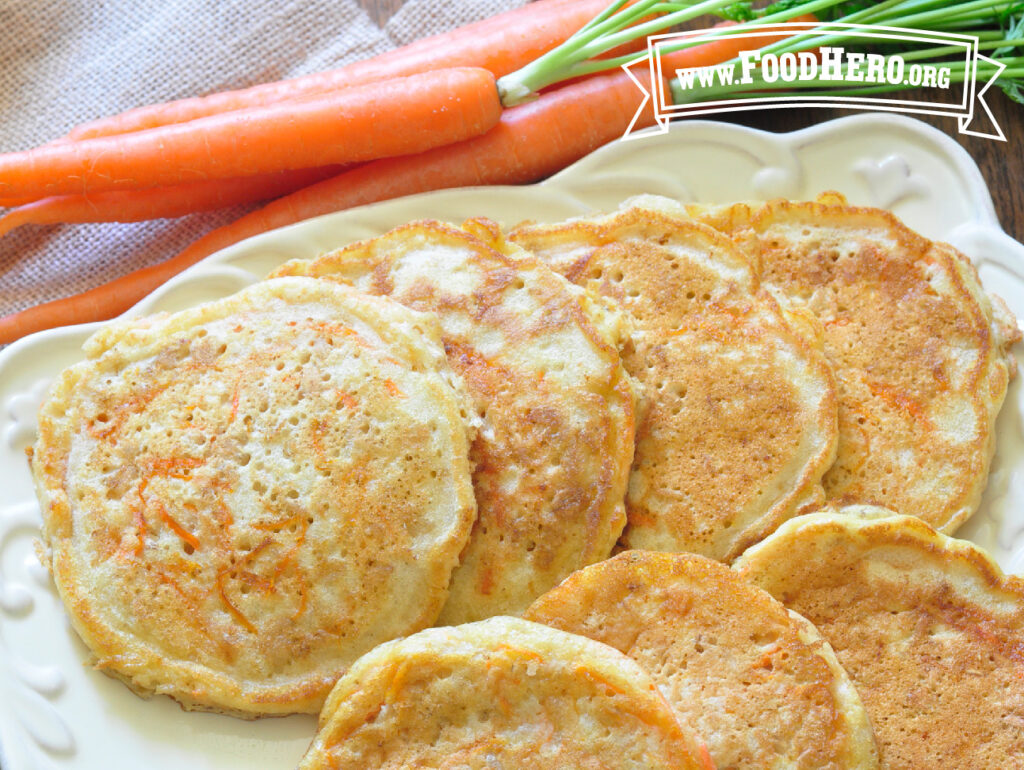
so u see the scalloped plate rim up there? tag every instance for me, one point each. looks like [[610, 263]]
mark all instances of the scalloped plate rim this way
[[979, 192]]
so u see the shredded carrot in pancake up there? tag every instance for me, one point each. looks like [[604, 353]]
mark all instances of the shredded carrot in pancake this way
[[323, 463], [705, 757], [171, 467], [234, 401], [123, 411], [328, 327], [176, 527], [520, 653], [347, 399], [269, 584], [900, 401], [235, 612], [264, 544], [299, 520], [256, 581], [167, 467], [596, 678], [141, 525], [223, 512], [398, 676], [503, 705], [192, 602]]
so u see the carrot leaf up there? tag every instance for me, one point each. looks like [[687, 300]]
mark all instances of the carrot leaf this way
[[998, 25]]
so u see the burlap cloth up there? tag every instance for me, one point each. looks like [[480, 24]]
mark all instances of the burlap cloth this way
[[63, 62]]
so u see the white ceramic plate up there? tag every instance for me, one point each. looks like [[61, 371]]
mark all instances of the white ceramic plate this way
[[56, 712]]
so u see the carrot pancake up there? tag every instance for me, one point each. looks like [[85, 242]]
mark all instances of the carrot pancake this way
[[756, 681], [499, 693], [921, 353], [739, 418], [242, 498], [928, 627], [540, 359]]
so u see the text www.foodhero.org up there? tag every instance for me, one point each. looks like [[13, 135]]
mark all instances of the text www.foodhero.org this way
[[831, 65]]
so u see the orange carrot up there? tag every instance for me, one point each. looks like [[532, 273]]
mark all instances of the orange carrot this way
[[393, 117], [162, 202], [531, 141], [10, 203], [500, 44]]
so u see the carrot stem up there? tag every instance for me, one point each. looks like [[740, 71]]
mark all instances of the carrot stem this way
[[607, 34], [624, 24]]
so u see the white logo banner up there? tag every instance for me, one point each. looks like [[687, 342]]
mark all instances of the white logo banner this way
[[825, 74]]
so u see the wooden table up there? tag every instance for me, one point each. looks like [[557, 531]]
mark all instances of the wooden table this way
[[1001, 163]]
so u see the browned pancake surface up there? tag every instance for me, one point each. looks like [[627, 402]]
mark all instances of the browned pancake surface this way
[[240, 499], [929, 629], [757, 682], [504, 693], [739, 414], [552, 457], [921, 353]]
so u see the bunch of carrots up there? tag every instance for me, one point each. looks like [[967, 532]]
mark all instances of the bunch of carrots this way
[[508, 100], [324, 142]]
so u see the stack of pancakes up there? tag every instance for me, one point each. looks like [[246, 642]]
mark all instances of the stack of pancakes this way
[[669, 486]]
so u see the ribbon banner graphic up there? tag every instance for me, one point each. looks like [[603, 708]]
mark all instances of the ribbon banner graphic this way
[[828, 73]]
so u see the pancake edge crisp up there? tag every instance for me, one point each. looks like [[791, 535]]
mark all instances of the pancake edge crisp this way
[[440, 691], [992, 324], [797, 335], [672, 594], [118, 651], [973, 595]]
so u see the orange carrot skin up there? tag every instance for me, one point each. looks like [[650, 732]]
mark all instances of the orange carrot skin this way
[[530, 142], [162, 202], [393, 117], [500, 44]]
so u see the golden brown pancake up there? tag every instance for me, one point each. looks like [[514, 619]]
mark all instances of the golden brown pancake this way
[[739, 419], [921, 353], [241, 498], [540, 358], [756, 681], [929, 629], [499, 693]]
